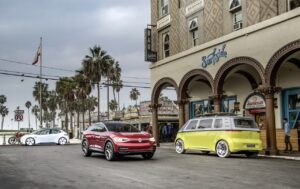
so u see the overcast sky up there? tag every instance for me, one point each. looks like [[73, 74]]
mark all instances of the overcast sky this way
[[69, 28]]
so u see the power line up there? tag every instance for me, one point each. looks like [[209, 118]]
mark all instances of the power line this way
[[60, 69], [34, 74], [56, 79]]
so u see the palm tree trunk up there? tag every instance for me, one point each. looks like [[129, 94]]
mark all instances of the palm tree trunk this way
[[90, 117], [28, 120], [119, 101], [78, 127], [35, 122], [98, 88], [71, 121], [114, 93], [53, 119], [83, 125], [2, 122], [66, 123]]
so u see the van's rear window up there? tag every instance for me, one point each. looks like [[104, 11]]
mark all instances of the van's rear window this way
[[245, 123]]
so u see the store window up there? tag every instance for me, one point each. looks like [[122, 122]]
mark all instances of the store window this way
[[291, 109], [166, 45], [199, 108], [228, 104], [292, 4], [164, 7]]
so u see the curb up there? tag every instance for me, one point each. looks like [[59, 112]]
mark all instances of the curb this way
[[280, 157]]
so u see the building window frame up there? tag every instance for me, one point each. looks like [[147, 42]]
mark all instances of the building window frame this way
[[166, 45], [200, 107], [228, 104], [235, 5], [193, 28], [164, 7], [292, 7]]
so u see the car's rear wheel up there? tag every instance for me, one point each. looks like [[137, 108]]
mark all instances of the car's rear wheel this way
[[62, 141], [12, 140], [85, 148], [251, 154], [179, 146], [222, 149], [109, 151], [148, 155], [30, 141]]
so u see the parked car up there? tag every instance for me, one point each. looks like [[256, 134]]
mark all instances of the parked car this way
[[222, 134], [41, 136], [116, 139]]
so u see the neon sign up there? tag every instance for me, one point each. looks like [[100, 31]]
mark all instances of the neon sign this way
[[214, 57]]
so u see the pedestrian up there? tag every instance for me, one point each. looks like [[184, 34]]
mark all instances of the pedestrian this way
[[287, 133]]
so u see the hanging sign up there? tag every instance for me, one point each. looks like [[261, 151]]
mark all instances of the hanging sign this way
[[150, 56], [255, 102]]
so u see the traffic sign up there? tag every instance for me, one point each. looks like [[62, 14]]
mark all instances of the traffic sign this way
[[19, 111], [19, 117]]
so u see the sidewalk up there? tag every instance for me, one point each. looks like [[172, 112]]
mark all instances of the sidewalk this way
[[75, 141], [281, 155]]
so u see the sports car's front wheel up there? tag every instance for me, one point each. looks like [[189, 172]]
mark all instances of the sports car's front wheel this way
[[85, 148], [29, 141], [109, 151]]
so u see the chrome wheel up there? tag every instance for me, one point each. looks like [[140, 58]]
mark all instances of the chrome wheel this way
[[109, 151], [179, 146], [12, 140], [62, 141], [85, 148], [29, 141], [222, 149]]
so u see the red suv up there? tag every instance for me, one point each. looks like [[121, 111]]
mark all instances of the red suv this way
[[116, 139]]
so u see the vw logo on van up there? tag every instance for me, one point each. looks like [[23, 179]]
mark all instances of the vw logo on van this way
[[140, 140]]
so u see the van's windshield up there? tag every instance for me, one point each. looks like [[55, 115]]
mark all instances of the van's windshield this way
[[245, 124]]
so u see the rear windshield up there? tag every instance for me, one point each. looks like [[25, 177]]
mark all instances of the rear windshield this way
[[245, 124], [121, 127]]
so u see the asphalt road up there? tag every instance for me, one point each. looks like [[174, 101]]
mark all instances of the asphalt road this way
[[65, 167]]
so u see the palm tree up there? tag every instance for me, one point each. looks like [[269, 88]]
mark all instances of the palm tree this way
[[65, 89], [94, 67], [113, 105], [52, 103], [91, 104], [134, 95], [3, 112], [35, 110], [28, 105], [36, 94], [117, 86], [2, 99]]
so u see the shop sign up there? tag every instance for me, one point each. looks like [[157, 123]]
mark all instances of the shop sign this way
[[163, 22], [194, 7], [150, 56], [255, 102], [214, 57], [166, 108]]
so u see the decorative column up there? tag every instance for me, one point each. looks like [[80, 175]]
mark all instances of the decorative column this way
[[217, 98], [154, 108], [181, 113], [270, 119]]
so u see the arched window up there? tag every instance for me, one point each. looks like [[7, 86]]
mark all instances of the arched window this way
[[193, 28], [166, 45], [234, 4]]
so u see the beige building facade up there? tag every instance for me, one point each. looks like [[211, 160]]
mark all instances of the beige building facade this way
[[240, 56]]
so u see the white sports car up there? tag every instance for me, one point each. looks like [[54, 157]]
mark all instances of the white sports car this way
[[41, 136]]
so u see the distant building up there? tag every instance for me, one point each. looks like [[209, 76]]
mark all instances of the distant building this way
[[239, 56]]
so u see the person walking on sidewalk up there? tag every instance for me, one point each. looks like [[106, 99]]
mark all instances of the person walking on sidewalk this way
[[287, 133]]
